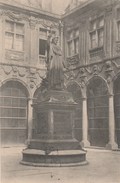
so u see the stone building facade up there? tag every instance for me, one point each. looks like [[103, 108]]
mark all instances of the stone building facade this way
[[23, 35], [90, 40], [92, 52]]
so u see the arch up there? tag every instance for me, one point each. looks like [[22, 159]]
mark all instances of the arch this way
[[116, 90], [2, 83], [97, 77], [14, 107], [75, 89], [97, 107]]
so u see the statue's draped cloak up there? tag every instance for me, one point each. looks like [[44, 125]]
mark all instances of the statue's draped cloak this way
[[56, 75]]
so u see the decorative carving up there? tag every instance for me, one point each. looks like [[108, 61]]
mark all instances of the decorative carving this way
[[73, 60], [109, 71], [45, 23], [95, 69], [118, 48], [32, 77], [14, 15], [96, 54], [14, 55], [32, 20], [7, 69], [22, 71], [82, 76]]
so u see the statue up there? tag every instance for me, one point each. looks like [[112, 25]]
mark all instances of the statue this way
[[55, 65]]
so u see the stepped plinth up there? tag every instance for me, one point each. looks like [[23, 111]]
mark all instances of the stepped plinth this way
[[53, 142]]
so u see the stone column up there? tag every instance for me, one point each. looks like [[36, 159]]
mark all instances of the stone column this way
[[51, 123], [61, 35], [30, 119], [112, 144], [85, 142]]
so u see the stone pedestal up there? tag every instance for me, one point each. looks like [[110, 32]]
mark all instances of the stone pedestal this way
[[53, 143]]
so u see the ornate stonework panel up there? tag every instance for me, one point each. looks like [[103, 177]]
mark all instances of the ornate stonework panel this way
[[14, 55]]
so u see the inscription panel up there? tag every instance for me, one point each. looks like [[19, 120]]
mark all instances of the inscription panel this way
[[42, 123], [62, 123]]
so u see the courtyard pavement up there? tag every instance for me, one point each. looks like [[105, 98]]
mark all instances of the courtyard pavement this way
[[103, 167]]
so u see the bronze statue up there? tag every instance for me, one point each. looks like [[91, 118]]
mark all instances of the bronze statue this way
[[55, 65]]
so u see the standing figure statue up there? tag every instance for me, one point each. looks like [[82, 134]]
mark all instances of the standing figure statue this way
[[55, 65]]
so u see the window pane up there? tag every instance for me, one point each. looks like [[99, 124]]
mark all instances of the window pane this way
[[19, 28], [101, 22], [93, 25], [93, 40], [119, 30], [9, 26], [43, 32], [70, 35], [19, 42], [9, 40], [70, 48], [42, 46], [76, 46], [100, 37], [76, 33]]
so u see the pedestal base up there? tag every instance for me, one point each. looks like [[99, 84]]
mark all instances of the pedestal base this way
[[33, 157], [53, 142]]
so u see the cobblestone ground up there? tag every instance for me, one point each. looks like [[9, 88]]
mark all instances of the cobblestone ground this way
[[103, 167]]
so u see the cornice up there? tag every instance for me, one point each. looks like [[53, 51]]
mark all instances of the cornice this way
[[30, 11]]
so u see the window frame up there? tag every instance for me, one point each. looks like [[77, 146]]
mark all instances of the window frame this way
[[72, 37], [15, 34], [96, 30], [42, 36]]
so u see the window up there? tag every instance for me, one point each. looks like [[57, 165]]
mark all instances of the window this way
[[97, 33], [42, 46], [14, 36], [43, 34], [73, 42], [118, 25]]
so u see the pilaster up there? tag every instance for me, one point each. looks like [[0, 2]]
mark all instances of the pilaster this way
[[30, 119], [111, 144]]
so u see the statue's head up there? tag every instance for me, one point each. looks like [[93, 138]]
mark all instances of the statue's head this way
[[55, 39]]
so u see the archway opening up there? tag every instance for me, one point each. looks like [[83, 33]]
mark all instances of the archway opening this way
[[74, 88], [13, 116], [98, 116], [117, 109]]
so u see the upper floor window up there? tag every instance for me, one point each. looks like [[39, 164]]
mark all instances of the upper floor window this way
[[14, 36], [43, 34], [97, 33], [118, 26], [73, 42], [42, 41]]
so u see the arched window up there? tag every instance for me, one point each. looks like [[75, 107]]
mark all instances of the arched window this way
[[13, 116], [77, 96], [97, 103]]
